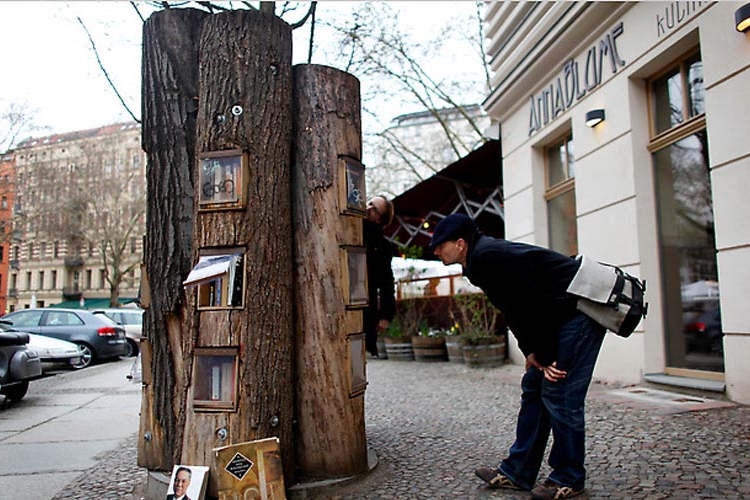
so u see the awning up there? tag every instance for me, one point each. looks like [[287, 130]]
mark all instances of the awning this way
[[91, 303], [210, 267], [472, 185]]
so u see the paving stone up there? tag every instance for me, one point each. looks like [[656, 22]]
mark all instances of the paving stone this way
[[432, 424]]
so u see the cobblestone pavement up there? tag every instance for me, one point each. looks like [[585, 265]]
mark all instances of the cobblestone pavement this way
[[432, 424]]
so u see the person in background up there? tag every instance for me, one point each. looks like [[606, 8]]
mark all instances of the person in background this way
[[382, 301], [529, 285]]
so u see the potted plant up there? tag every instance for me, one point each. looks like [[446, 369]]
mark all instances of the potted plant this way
[[397, 343], [482, 346], [429, 344], [453, 344]]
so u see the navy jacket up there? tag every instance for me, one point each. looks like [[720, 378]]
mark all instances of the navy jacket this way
[[528, 284]]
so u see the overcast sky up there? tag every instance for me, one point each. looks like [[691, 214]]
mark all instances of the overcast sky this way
[[47, 59]]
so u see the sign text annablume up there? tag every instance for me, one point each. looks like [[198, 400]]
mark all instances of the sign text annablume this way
[[577, 77]]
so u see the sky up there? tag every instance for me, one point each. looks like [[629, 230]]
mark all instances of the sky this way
[[48, 61]]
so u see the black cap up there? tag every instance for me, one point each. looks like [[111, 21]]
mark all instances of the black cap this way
[[451, 228]]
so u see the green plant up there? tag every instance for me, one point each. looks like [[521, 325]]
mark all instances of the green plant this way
[[394, 329], [410, 315], [477, 317]]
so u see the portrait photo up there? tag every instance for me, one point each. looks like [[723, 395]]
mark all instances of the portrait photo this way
[[188, 482]]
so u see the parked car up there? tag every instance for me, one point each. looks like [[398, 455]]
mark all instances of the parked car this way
[[132, 320], [18, 365], [97, 336], [704, 333], [53, 353], [56, 353]]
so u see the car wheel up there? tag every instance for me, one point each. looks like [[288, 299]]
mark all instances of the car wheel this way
[[132, 349], [16, 392], [87, 356]]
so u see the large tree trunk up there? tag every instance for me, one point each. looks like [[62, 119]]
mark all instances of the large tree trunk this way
[[245, 61], [169, 90], [331, 438]]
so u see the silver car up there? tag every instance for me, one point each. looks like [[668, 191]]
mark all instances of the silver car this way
[[132, 320], [97, 336]]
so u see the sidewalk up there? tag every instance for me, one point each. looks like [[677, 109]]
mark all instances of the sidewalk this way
[[431, 424]]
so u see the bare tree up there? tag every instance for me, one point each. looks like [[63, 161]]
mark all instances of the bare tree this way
[[400, 69], [16, 119], [92, 198]]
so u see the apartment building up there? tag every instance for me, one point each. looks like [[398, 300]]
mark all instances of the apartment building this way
[[624, 132], [7, 180], [78, 217], [418, 145]]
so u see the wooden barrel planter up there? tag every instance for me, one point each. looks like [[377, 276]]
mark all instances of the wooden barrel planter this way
[[454, 348], [382, 352], [485, 352], [429, 348], [399, 349]]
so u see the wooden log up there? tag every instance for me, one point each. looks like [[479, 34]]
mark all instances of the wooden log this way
[[331, 437], [245, 103], [169, 106]]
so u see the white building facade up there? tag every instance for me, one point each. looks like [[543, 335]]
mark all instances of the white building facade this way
[[655, 188]]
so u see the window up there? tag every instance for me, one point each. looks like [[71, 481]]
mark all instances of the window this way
[[679, 147], [88, 279], [41, 280], [4, 203], [2, 253], [678, 95], [102, 278], [43, 250], [56, 249], [53, 279], [215, 380], [133, 245], [31, 251], [560, 196], [28, 280], [220, 280]]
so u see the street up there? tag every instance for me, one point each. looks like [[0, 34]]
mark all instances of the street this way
[[63, 425]]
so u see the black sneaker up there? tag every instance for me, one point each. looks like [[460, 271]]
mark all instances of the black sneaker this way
[[550, 490], [495, 478]]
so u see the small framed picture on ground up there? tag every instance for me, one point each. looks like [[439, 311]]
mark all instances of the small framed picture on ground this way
[[222, 180], [352, 186], [188, 482]]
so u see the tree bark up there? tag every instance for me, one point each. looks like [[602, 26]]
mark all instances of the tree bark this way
[[245, 62], [169, 90], [331, 437]]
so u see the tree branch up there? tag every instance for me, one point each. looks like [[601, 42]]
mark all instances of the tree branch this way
[[106, 75]]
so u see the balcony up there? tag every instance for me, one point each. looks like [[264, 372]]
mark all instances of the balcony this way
[[74, 261], [71, 292], [14, 264]]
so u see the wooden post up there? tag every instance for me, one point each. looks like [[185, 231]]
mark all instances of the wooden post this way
[[331, 437], [245, 103], [169, 90]]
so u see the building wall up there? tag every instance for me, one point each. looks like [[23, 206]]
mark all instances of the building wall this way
[[7, 177], [105, 167], [530, 45]]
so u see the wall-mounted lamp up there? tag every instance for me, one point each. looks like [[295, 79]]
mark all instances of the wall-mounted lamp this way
[[594, 117], [742, 18]]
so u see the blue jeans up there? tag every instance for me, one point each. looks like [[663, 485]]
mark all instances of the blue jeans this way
[[559, 407]]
